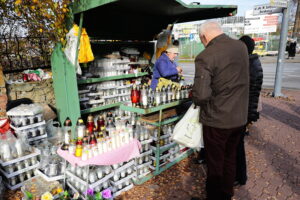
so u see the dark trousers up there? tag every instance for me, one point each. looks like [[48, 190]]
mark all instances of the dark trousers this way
[[241, 165], [220, 148]]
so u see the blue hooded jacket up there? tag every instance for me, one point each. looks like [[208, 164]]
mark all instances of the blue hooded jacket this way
[[165, 68]]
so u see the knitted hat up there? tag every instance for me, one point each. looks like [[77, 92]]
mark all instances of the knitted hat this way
[[172, 49], [249, 42]]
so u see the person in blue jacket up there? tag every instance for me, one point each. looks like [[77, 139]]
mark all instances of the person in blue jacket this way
[[165, 66]]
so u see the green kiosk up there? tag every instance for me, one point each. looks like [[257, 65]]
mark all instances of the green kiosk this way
[[114, 23]]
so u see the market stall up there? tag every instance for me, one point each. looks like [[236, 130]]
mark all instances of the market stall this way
[[116, 131], [124, 31]]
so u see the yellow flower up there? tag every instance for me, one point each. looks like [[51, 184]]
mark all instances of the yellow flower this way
[[18, 2], [59, 190], [41, 30], [47, 196], [35, 1], [32, 7]]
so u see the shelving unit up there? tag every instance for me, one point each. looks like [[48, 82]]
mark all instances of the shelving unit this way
[[160, 167]]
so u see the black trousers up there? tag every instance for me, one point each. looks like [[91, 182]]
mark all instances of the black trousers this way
[[241, 165], [220, 148]]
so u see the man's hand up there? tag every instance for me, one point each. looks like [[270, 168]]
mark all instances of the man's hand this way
[[179, 69]]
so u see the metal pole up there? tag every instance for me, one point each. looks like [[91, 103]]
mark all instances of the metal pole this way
[[281, 53]]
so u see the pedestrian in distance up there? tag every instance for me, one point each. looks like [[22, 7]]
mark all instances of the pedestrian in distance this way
[[221, 89], [292, 49]]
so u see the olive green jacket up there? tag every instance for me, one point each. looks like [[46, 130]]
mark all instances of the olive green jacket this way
[[221, 84]]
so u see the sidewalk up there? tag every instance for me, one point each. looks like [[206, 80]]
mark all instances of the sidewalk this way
[[265, 59], [273, 154], [273, 59]]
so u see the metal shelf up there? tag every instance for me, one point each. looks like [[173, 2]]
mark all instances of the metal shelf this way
[[90, 110], [110, 78], [153, 109]]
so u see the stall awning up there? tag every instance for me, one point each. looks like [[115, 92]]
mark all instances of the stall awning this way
[[141, 19]]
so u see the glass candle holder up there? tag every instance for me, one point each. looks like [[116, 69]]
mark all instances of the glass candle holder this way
[[92, 177], [123, 174], [99, 173]]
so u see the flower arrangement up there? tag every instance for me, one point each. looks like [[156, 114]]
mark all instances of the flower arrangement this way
[[91, 195]]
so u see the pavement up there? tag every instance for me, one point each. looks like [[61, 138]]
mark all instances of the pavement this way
[[273, 59], [290, 74], [273, 160]]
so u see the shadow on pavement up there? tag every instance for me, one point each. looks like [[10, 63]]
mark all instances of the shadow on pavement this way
[[282, 116], [279, 159]]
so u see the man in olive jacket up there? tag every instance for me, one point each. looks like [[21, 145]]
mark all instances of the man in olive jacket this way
[[221, 90]]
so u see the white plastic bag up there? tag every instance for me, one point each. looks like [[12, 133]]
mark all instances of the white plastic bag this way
[[188, 131], [70, 49]]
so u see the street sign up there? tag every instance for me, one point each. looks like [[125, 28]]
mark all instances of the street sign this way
[[260, 23], [191, 36], [279, 3], [266, 9]]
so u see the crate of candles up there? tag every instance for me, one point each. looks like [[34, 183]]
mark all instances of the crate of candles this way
[[142, 164], [28, 120], [122, 178], [52, 171], [177, 151], [39, 188], [18, 162], [122, 188], [97, 177]]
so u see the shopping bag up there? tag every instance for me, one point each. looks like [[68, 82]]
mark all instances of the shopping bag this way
[[188, 131]]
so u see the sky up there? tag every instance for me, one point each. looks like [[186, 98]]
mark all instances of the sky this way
[[243, 5]]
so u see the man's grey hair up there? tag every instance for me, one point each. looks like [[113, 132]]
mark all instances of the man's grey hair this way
[[210, 26]]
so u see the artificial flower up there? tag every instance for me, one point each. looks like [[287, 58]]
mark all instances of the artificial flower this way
[[47, 196], [106, 194]]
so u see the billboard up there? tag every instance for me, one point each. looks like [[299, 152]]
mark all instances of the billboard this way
[[260, 23]]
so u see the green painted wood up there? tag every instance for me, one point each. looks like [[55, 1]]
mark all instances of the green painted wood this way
[[65, 87], [153, 109], [110, 78], [165, 122], [157, 153], [107, 13], [163, 149], [90, 110], [84, 5]]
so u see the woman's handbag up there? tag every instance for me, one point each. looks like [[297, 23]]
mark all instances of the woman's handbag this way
[[188, 131]]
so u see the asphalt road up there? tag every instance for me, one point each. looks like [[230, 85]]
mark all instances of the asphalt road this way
[[291, 74]]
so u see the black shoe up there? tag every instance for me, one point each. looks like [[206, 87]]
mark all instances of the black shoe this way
[[199, 161], [237, 183], [195, 198]]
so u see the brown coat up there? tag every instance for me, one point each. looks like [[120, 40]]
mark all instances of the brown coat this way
[[221, 85]]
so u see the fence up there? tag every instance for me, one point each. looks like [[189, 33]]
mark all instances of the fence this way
[[21, 53]]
